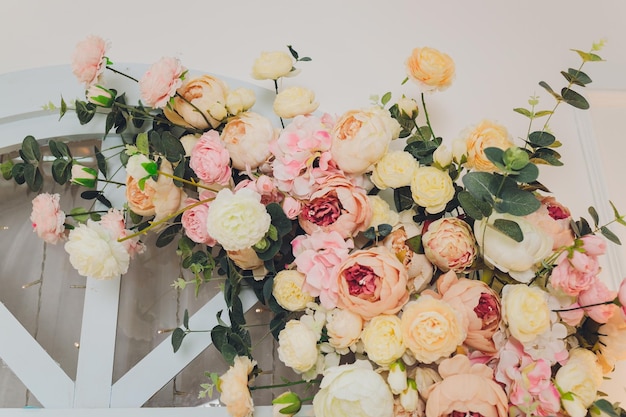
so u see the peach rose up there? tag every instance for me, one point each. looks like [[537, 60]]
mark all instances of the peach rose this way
[[430, 69], [360, 138], [418, 267], [486, 134], [466, 389], [449, 243], [432, 329], [372, 282], [555, 219], [247, 138], [207, 96], [140, 201], [47, 218], [249, 260], [233, 386], [336, 205], [167, 197]]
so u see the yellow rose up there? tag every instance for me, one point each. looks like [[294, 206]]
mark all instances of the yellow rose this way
[[295, 101], [525, 310], [287, 290], [272, 65], [395, 169], [206, 94], [432, 189], [381, 212], [430, 69], [485, 135], [382, 339], [431, 329], [581, 376], [240, 100]]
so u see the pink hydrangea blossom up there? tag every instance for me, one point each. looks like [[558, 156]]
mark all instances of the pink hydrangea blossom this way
[[89, 59], [47, 217], [317, 256], [113, 221], [194, 221], [210, 159], [161, 81]]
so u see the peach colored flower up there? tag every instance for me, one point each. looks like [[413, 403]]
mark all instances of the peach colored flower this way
[[207, 95], [47, 218], [554, 219], [466, 389], [449, 244], [344, 328], [167, 197], [161, 81], [485, 135], [612, 346], [575, 273], [372, 282], [336, 205], [621, 295], [430, 69], [432, 329], [249, 260], [233, 386], [89, 61], [210, 160], [247, 138], [140, 201]]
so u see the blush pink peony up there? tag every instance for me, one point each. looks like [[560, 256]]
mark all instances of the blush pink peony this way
[[89, 61], [161, 81], [210, 160], [47, 218]]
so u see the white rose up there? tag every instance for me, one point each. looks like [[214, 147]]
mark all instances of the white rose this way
[[94, 252], [382, 339], [381, 212], [459, 150], [344, 328], [240, 100], [237, 221], [442, 156], [408, 106], [409, 398], [353, 390], [360, 138], [272, 65], [397, 378], [295, 101], [297, 346], [84, 176], [134, 166], [432, 188], [247, 138], [395, 169], [525, 310], [518, 259], [581, 376], [287, 289]]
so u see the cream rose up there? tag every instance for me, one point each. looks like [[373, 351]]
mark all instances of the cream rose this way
[[431, 329], [525, 311], [361, 137], [486, 134], [247, 138], [432, 188], [297, 346], [381, 212], [207, 95], [344, 328], [239, 100], [287, 289], [518, 259], [272, 65], [382, 339], [430, 69], [449, 243], [581, 376], [295, 101], [395, 169]]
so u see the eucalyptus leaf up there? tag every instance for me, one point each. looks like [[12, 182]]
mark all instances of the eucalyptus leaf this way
[[79, 214], [546, 156], [54, 150], [61, 170], [605, 406], [279, 218], [142, 143], [186, 319], [174, 150], [517, 202], [30, 149], [541, 138], [610, 235], [177, 338], [6, 168], [574, 99], [167, 235], [543, 113], [101, 160], [588, 56], [482, 185], [402, 198], [17, 172], [528, 174], [473, 207], [576, 77], [33, 177], [510, 228], [524, 112], [84, 111], [494, 154], [550, 90], [618, 217], [385, 99], [594, 215], [104, 201]]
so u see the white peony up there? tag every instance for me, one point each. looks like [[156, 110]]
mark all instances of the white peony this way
[[237, 221], [297, 346], [581, 376]]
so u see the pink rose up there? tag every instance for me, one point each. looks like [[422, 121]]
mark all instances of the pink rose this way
[[194, 222], [161, 81], [291, 207], [47, 218], [593, 245], [576, 274], [317, 256], [596, 294], [88, 61], [210, 159], [114, 222], [264, 185], [372, 282], [555, 219], [337, 204], [449, 243]]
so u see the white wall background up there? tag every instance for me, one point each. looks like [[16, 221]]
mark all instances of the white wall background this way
[[502, 49]]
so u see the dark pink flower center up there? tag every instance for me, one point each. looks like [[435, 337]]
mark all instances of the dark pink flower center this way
[[488, 310], [362, 281], [557, 213], [323, 211], [464, 414]]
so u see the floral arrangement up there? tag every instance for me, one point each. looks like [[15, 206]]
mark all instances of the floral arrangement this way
[[406, 277]]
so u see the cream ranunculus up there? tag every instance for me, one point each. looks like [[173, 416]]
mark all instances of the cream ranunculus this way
[[272, 65], [518, 259], [430, 69], [239, 100], [449, 243], [581, 376], [287, 289], [382, 339], [344, 329], [237, 221], [360, 138], [353, 390], [206, 94], [247, 138], [432, 329], [95, 252], [525, 311], [432, 189], [297, 346], [395, 169], [485, 135], [295, 101]]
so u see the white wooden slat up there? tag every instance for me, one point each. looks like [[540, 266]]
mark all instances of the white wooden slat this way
[[29, 361]]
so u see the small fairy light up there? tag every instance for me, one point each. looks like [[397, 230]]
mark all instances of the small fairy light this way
[[4, 227], [30, 284], [161, 331], [76, 345]]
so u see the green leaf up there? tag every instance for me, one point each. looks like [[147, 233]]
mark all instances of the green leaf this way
[[104, 201], [229, 353], [523, 111], [142, 143], [482, 185], [474, 208], [33, 177], [542, 113], [101, 160], [54, 150], [587, 56], [574, 99], [174, 150], [18, 172], [150, 167], [576, 77], [279, 218], [517, 202], [186, 319], [177, 338], [385, 99], [594, 215], [550, 90], [494, 154], [618, 217], [415, 244], [509, 228], [402, 198], [547, 156], [610, 235], [79, 214], [30, 149], [84, 111], [167, 235], [605, 406], [6, 168], [63, 108], [61, 170], [541, 138], [528, 174], [293, 52]]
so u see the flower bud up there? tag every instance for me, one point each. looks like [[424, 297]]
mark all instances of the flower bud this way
[[217, 111], [85, 176], [240, 100], [424, 378], [515, 158], [442, 156], [409, 398], [459, 150], [408, 107], [100, 96], [286, 404], [397, 377]]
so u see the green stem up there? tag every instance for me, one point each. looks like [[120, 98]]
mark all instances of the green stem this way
[[193, 183], [286, 384], [122, 74], [194, 107], [86, 213], [427, 118]]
